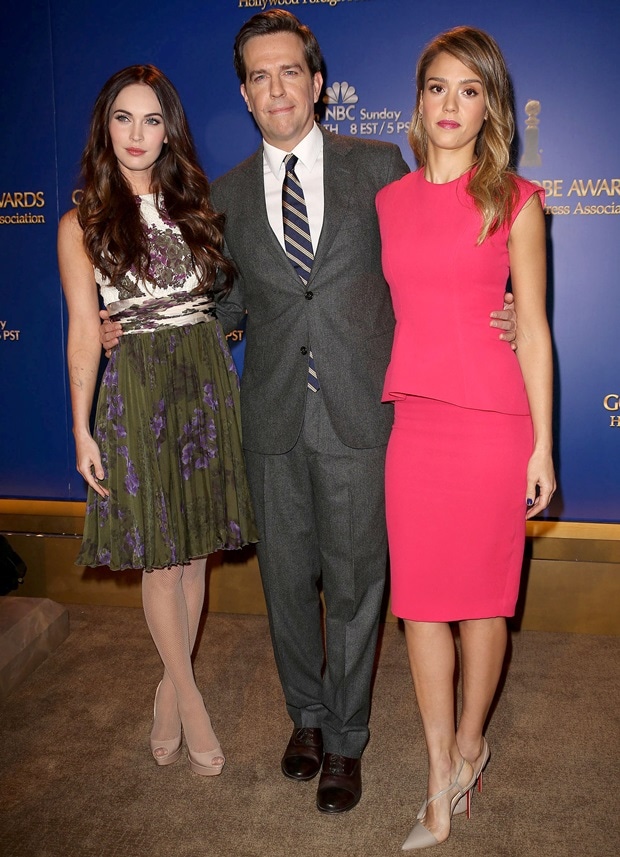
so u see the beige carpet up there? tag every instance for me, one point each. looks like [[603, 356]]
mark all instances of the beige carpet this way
[[77, 780]]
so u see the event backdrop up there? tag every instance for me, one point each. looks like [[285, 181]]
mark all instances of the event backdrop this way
[[56, 54]]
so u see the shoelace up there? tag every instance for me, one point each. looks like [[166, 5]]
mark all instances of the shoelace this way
[[335, 764], [305, 736]]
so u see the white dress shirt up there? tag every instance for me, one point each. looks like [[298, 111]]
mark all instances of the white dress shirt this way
[[309, 171]]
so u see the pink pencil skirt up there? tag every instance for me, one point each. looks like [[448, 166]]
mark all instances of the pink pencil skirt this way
[[455, 505]]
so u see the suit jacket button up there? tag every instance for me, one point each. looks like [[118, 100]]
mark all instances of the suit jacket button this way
[[303, 350], [309, 296]]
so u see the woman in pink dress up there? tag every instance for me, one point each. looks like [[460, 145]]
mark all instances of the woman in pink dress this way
[[469, 457]]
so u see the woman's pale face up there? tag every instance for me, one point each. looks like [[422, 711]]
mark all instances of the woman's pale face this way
[[138, 134], [452, 105]]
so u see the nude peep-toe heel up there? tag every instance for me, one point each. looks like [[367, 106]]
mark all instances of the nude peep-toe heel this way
[[420, 837], [172, 746], [202, 763], [464, 804]]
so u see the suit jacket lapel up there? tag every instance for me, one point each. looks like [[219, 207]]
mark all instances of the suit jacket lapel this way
[[256, 202], [337, 183]]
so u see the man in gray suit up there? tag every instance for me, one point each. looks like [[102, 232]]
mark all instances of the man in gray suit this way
[[315, 459]]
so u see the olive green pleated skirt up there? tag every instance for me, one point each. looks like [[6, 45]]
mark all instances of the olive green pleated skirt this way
[[168, 429]]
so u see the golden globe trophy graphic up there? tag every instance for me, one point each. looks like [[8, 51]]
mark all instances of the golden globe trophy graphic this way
[[531, 154]]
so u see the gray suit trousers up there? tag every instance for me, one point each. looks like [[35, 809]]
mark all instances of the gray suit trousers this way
[[321, 517]]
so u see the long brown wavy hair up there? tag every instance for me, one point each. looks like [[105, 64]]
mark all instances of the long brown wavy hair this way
[[492, 185], [114, 236]]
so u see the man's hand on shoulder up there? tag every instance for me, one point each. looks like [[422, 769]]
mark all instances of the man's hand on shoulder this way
[[506, 321], [109, 332]]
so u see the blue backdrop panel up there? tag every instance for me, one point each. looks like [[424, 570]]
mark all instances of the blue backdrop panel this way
[[561, 59], [34, 431]]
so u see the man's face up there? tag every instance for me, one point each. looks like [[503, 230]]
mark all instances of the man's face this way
[[279, 90]]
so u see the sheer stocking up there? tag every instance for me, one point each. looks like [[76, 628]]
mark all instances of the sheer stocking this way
[[172, 599], [168, 724]]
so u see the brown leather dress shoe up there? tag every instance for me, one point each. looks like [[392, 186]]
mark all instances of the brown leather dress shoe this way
[[340, 786], [303, 756]]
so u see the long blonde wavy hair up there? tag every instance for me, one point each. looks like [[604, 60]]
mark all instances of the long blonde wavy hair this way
[[491, 185]]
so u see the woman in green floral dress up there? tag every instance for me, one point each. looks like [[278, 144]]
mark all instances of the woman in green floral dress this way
[[164, 464]]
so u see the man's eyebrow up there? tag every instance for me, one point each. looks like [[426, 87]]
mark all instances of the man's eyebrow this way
[[283, 67]]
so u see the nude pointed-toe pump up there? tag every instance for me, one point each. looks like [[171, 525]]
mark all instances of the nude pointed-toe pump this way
[[420, 837]]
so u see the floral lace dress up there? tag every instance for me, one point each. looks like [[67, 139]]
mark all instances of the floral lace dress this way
[[167, 422]]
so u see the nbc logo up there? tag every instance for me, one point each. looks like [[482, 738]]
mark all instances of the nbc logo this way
[[340, 99]]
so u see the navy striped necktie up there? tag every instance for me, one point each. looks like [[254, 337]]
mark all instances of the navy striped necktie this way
[[297, 240]]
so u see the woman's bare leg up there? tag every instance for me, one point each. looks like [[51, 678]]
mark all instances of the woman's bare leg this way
[[431, 651], [483, 649]]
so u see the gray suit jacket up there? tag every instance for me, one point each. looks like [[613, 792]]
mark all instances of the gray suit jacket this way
[[345, 314]]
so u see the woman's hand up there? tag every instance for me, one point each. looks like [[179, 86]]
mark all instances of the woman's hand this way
[[88, 463], [540, 483]]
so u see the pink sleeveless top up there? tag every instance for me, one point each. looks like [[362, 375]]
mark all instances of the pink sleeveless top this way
[[443, 288]]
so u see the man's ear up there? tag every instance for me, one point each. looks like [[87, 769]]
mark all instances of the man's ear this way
[[244, 95], [317, 85]]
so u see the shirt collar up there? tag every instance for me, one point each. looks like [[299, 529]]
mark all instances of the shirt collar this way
[[307, 151]]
